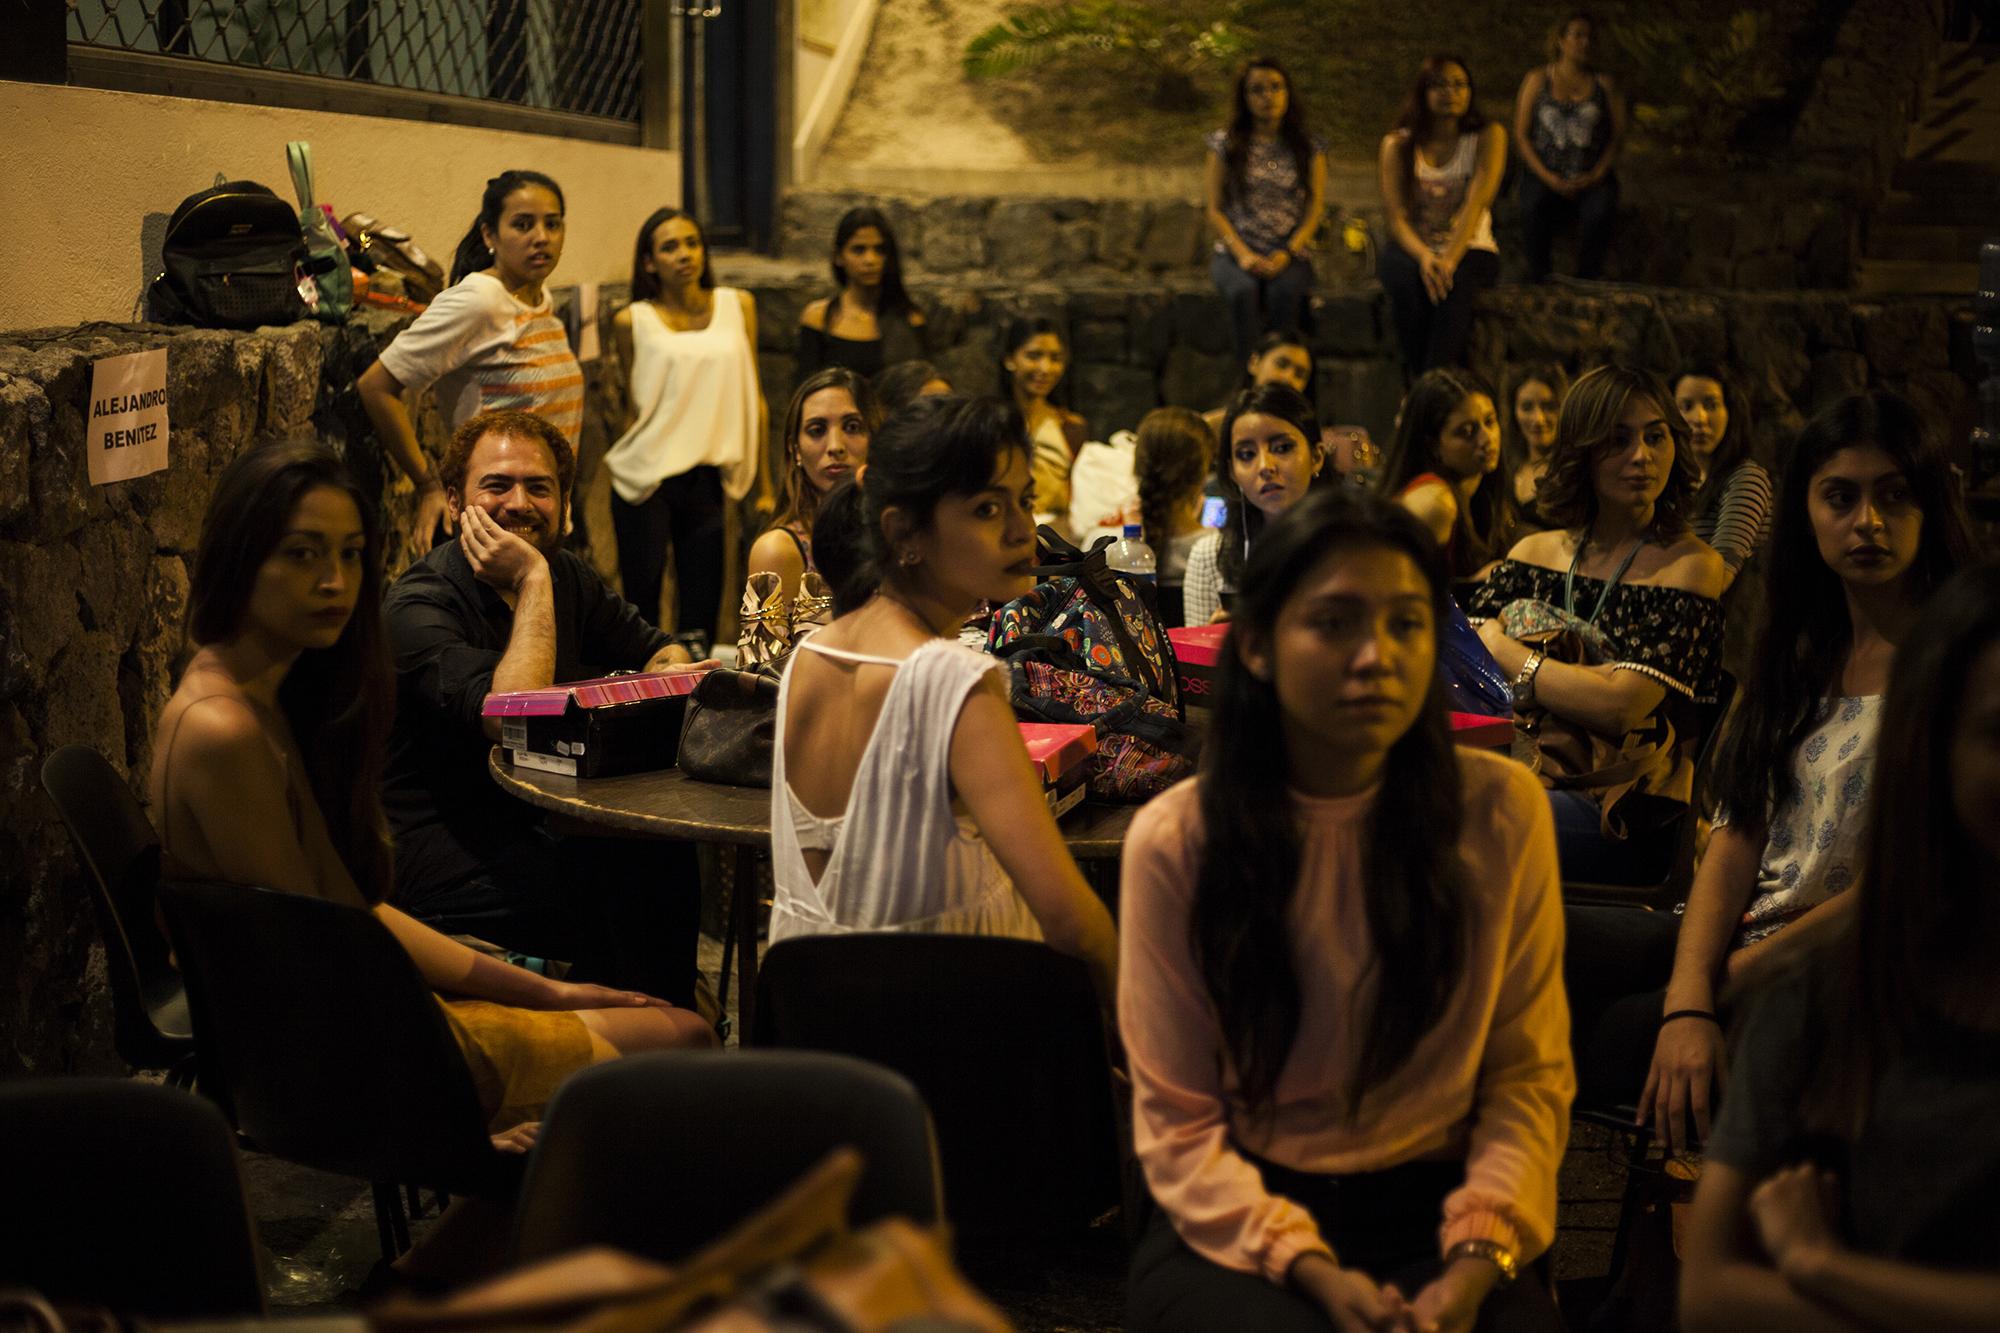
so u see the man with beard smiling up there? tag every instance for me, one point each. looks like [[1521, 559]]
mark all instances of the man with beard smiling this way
[[505, 607]]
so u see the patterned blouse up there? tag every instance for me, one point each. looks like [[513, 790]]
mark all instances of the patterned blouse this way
[[1272, 201], [1668, 634], [1812, 840]]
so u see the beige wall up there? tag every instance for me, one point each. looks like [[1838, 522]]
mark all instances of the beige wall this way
[[89, 167], [821, 82]]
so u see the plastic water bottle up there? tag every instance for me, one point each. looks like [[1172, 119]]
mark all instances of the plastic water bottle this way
[[1130, 556]]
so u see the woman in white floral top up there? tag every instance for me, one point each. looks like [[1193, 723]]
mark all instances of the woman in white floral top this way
[[1868, 523]]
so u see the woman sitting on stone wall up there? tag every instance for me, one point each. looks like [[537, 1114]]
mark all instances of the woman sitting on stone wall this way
[[268, 765], [491, 340], [1440, 167], [869, 322], [1266, 195]]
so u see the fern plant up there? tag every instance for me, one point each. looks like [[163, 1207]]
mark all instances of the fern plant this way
[[1697, 87], [1172, 44]]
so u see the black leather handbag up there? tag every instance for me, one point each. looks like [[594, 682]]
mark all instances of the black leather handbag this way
[[730, 726]]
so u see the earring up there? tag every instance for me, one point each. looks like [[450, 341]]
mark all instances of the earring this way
[[909, 558]]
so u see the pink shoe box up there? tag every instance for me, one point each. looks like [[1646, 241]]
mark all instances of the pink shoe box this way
[[1198, 650], [596, 728], [1061, 754]]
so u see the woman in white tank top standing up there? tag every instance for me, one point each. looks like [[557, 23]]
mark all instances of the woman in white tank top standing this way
[[1440, 167], [694, 422], [902, 797]]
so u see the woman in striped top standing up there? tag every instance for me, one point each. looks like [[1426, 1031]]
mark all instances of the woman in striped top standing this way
[[491, 340], [1732, 509]]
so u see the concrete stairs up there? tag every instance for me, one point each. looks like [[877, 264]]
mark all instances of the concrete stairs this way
[[1944, 199]]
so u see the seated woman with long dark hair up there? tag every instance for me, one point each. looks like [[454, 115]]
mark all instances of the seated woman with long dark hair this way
[[1443, 466], [1270, 457], [268, 763], [1869, 524], [1632, 594], [1340, 976], [1849, 1182]]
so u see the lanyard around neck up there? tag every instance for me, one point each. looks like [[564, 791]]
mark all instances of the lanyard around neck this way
[[1569, 579]]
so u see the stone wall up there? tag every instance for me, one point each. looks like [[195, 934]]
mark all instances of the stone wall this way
[[94, 580], [1671, 232], [1140, 341], [1855, 121]]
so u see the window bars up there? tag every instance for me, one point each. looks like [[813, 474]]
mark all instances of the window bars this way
[[577, 56]]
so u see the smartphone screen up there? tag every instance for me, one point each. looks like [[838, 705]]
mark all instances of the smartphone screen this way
[[1214, 512]]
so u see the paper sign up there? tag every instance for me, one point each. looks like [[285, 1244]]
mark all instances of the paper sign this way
[[587, 348], [126, 432]]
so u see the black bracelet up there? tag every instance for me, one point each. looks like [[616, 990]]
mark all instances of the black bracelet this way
[[1708, 1014]]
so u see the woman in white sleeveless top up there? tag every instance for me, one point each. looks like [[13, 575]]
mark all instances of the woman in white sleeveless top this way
[[1440, 167], [693, 422], [901, 795]]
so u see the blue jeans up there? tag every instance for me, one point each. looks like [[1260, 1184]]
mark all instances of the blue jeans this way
[[1258, 305], [1588, 857]]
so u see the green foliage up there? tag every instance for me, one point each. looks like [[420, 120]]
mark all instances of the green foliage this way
[[1696, 87], [1172, 43]]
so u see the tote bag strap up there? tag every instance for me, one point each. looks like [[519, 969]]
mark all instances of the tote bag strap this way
[[298, 154]]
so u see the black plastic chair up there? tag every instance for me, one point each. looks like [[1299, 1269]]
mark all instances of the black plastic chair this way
[[1002, 1038], [322, 1044], [660, 1154], [121, 856], [126, 1195], [1672, 888]]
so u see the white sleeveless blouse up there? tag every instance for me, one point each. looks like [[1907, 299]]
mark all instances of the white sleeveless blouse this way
[[695, 393], [900, 858]]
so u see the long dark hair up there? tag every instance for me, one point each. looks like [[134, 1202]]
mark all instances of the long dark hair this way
[[1514, 450], [473, 254], [646, 283], [1806, 629], [1019, 331], [802, 501], [1245, 521], [899, 385], [895, 297], [1413, 121], [338, 700], [1413, 880], [1291, 130], [1173, 453], [1486, 523], [1923, 889], [1587, 423], [1734, 446], [936, 447]]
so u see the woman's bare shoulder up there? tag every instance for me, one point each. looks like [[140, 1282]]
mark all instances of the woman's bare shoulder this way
[[1692, 565], [814, 315], [1549, 548]]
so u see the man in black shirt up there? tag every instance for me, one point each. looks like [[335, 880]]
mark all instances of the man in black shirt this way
[[505, 607]]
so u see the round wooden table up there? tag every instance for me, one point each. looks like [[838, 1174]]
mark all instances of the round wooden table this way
[[669, 804]]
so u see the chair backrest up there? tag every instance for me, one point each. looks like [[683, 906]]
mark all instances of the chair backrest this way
[[121, 858], [660, 1154], [1002, 1038], [321, 1041], [124, 1194]]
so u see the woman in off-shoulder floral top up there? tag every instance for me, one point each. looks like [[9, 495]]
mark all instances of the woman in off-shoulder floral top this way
[[1625, 571]]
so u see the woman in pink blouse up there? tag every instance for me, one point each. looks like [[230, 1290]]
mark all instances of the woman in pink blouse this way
[[1340, 981]]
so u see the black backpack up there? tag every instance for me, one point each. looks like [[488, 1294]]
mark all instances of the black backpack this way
[[232, 259]]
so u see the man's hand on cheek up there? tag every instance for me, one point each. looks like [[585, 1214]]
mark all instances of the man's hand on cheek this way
[[498, 558]]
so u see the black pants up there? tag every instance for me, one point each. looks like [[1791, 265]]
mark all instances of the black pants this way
[[1616, 964], [686, 512], [1383, 1223], [622, 912], [1544, 212], [1433, 334]]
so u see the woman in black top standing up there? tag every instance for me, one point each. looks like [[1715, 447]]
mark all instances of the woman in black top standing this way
[[869, 322], [1568, 121]]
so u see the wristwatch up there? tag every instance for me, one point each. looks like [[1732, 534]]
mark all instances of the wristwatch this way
[[1492, 1251], [1523, 688]]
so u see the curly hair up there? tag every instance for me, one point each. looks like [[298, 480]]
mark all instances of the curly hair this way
[[1587, 425], [513, 424]]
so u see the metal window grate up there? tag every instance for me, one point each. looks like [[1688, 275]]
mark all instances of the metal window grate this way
[[580, 56]]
